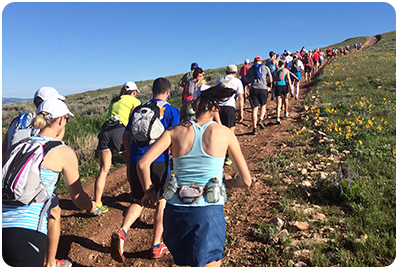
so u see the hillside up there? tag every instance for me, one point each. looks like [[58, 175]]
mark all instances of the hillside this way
[[324, 180]]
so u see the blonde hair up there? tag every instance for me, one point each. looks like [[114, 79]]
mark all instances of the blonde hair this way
[[39, 122]]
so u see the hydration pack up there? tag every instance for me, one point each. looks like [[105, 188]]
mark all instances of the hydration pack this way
[[22, 181], [22, 128], [146, 125]]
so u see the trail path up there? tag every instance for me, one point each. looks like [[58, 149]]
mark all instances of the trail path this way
[[86, 240]]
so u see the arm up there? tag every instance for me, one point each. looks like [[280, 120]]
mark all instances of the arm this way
[[244, 177], [127, 140], [241, 104], [143, 166], [74, 186]]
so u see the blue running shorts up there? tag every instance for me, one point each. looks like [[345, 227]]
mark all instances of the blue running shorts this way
[[194, 236]]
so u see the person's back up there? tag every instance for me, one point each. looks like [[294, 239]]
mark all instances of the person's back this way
[[123, 108]]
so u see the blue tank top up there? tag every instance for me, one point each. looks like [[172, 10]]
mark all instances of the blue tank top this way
[[271, 66], [197, 167], [282, 82], [28, 216]]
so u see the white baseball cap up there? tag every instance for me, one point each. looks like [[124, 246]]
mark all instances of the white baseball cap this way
[[47, 93], [54, 107], [131, 86]]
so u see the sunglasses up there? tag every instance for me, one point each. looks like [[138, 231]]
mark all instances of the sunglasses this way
[[66, 117]]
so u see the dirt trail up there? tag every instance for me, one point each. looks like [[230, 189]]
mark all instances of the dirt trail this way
[[86, 240]]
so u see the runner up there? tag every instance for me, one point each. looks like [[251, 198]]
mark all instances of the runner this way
[[296, 68], [307, 60], [110, 137], [271, 62], [188, 75], [195, 230], [16, 132], [24, 240], [159, 176], [190, 84], [259, 76], [243, 73], [316, 60], [281, 88], [227, 109]]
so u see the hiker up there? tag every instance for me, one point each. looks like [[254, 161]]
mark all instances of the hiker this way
[[296, 68], [24, 228], [20, 129], [110, 137], [195, 225], [243, 73], [308, 62], [259, 76], [188, 75], [227, 109], [281, 88], [159, 175]]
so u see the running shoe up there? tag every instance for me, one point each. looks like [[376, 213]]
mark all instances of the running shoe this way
[[262, 124], [255, 131], [278, 121], [63, 263], [117, 241], [228, 161], [296, 98], [101, 209], [158, 250], [286, 114]]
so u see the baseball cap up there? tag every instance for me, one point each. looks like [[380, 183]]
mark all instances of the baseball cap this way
[[246, 61], [131, 86], [231, 68], [54, 107], [47, 93], [258, 58], [194, 65]]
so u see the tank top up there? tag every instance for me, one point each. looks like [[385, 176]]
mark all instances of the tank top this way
[[197, 167], [271, 65], [28, 216], [282, 82]]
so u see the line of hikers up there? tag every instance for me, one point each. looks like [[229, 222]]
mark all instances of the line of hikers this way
[[200, 139]]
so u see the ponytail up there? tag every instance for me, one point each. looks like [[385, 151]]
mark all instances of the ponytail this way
[[124, 91], [39, 122]]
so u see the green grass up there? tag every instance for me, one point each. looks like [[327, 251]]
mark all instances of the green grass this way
[[356, 105]]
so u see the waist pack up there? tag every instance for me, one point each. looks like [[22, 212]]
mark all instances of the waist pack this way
[[189, 194], [111, 124]]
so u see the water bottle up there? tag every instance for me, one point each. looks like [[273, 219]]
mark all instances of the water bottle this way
[[172, 188], [213, 191]]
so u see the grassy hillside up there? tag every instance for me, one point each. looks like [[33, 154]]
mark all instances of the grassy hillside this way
[[349, 120]]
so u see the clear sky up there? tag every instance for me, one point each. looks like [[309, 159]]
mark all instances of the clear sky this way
[[75, 47]]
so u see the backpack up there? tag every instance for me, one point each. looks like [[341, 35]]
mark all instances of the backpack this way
[[22, 182], [189, 90], [280, 74], [146, 125], [295, 66], [21, 128]]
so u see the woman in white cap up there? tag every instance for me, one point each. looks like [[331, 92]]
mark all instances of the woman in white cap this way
[[24, 230], [110, 137]]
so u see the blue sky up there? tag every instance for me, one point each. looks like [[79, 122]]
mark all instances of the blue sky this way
[[76, 47]]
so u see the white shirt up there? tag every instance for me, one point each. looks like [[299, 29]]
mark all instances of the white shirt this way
[[197, 91], [233, 83]]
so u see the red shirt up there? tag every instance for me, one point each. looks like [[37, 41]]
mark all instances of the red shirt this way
[[243, 70]]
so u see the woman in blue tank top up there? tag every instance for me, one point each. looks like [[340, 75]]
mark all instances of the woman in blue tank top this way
[[195, 232]]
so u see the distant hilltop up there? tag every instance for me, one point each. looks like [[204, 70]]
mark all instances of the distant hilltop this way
[[13, 100]]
